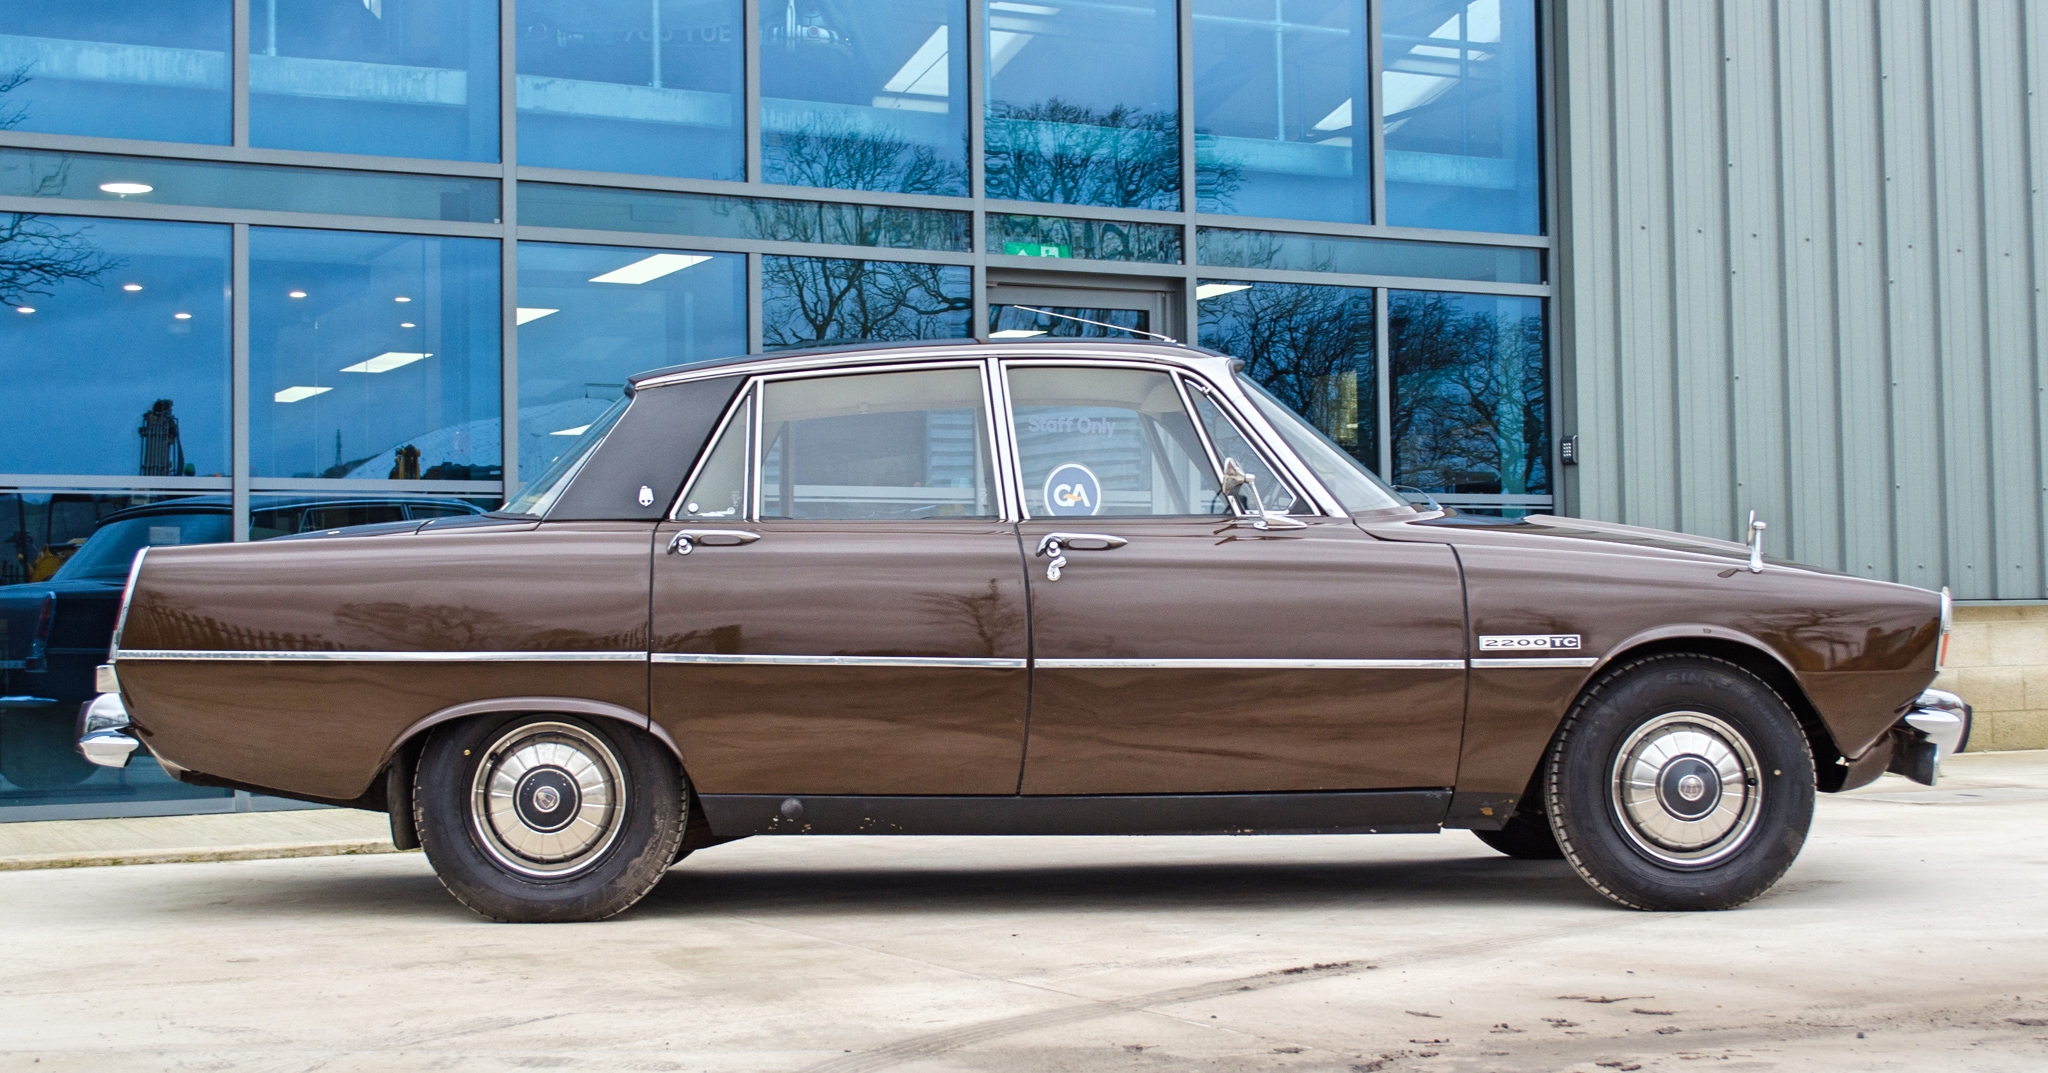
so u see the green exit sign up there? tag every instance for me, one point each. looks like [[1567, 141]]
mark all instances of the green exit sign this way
[[1036, 249]]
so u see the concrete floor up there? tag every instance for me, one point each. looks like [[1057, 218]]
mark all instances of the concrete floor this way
[[1911, 935]]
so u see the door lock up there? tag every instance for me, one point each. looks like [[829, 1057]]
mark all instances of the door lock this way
[[1058, 544]]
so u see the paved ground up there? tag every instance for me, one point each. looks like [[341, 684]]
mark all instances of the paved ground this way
[[1912, 935], [222, 836]]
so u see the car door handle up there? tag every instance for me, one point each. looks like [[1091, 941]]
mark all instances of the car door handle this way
[[1058, 544], [686, 540], [1054, 543]]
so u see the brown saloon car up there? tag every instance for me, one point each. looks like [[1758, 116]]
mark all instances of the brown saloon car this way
[[1052, 587]]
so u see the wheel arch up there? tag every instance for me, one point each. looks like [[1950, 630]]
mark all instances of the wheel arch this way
[[1750, 654]]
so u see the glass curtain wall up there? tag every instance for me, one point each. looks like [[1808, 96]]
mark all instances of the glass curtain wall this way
[[117, 69], [1083, 103], [373, 356], [1458, 100], [1282, 127], [412, 78], [1470, 413], [865, 94], [652, 87]]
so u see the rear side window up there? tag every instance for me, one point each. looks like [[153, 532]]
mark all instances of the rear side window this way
[[1095, 441], [882, 446]]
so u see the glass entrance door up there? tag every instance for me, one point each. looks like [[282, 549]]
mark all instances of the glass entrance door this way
[[1112, 309]]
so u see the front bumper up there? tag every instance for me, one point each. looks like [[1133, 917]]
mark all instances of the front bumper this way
[[1934, 728]]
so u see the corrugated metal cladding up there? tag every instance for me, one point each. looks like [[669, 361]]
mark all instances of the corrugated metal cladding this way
[[1802, 269]]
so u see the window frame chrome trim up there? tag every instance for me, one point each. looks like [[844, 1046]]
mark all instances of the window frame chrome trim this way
[[741, 398], [749, 660], [990, 427]]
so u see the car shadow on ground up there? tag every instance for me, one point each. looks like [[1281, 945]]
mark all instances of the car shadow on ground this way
[[392, 888], [1136, 887]]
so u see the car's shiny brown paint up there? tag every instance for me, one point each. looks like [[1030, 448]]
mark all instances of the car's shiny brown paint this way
[[1393, 584], [323, 728], [924, 589], [1858, 649], [1217, 589]]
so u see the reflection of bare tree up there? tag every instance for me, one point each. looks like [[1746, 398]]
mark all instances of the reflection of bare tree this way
[[1312, 347], [36, 253], [1070, 154], [12, 115], [850, 225], [836, 152], [995, 620], [811, 301], [1469, 394]]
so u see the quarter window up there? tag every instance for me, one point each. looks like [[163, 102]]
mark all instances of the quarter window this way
[[1109, 442], [1231, 444], [882, 446], [720, 488]]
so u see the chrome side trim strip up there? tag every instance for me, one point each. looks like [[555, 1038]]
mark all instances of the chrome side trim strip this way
[[127, 595], [1530, 663], [839, 661], [383, 657], [1256, 664]]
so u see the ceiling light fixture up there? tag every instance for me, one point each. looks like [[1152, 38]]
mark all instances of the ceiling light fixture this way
[[385, 362], [647, 268], [533, 313], [24, 309], [407, 324], [1015, 333], [131, 287], [181, 316], [295, 393], [1206, 291], [297, 294], [401, 298], [577, 431], [124, 189]]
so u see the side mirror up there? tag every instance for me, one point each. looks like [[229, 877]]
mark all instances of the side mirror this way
[[1234, 478]]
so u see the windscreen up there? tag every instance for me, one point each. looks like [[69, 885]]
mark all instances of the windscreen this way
[[110, 551], [540, 493], [1356, 487]]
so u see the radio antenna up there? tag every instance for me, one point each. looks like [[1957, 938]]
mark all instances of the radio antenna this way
[[1100, 324]]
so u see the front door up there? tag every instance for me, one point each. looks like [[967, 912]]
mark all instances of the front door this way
[[838, 607], [1177, 649]]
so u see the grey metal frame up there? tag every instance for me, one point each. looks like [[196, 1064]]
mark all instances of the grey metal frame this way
[[507, 229]]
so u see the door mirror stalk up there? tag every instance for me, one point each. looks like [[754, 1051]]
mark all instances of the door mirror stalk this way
[[1234, 478]]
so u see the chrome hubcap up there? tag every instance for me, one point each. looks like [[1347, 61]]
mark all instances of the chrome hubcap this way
[[1686, 789], [547, 800]]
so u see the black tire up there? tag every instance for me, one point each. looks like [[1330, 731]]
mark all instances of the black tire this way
[[1525, 838], [542, 818], [1722, 795]]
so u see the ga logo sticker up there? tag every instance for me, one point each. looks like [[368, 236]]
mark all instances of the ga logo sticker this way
[[1072, 489]]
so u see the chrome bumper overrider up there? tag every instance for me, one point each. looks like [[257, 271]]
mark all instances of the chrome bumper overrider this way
[[103, 736], [1938, 726]]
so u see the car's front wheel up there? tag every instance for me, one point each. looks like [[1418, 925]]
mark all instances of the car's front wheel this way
[[1680, 782], [531, 818]]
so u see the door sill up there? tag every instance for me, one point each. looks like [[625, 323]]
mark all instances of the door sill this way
[[1346, 812]]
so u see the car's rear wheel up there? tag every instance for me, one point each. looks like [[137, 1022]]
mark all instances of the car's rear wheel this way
[[1524, 837], [1680, 782], [534, 818]]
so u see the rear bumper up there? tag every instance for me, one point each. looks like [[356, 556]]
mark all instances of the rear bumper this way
[[103, 736]]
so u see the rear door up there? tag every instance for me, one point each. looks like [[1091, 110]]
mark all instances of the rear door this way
[[1180, 649], [838, 604]]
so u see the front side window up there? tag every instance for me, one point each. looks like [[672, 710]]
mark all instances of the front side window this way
[[882, 446], [1093, 441]]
